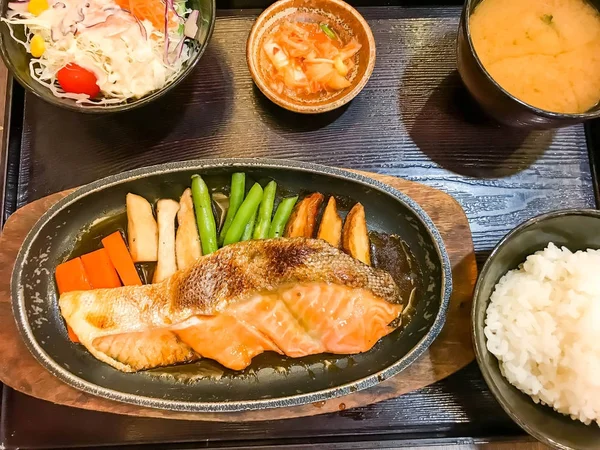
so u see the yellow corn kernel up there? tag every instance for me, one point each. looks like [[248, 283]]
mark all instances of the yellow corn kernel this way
[[36, 7], [37, 46]]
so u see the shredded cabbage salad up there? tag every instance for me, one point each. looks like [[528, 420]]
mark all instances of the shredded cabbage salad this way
[[126, 52]]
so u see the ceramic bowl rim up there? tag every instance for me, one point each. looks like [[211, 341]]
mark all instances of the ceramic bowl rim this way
[[20, 313], [479, 339]]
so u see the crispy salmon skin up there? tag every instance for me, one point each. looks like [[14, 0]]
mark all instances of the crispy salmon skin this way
[[294, 296]]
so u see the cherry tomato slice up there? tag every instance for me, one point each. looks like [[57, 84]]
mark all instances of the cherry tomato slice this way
[[77, 80]]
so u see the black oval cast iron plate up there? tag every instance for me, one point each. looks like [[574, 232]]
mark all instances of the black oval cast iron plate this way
[[271, 381]]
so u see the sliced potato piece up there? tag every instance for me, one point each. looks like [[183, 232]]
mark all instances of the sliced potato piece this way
[[330, 229], [166, 211], [304, 218], [355, 237], [142, 231], [187, 240]]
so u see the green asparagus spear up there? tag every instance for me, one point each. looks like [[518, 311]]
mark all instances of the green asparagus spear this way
[[266, 212], [238, 186], [282, 215], [204, 215], [249, 228], [244, 214]]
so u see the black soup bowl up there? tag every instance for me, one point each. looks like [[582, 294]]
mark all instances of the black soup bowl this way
[[577, 229], [494, 99], [271, 380], [17, 60]]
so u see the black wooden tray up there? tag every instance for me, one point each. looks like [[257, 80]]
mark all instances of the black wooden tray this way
[[413, 120]]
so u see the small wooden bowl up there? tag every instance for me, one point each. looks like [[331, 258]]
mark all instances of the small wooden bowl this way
[[334, 9]]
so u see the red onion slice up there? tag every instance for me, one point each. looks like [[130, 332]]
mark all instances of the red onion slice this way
[[54, 34], [168, 6], [190, 28], [102, 22], [141, 26], [81, 16], [178, 50], [180, 17], [143, 31]]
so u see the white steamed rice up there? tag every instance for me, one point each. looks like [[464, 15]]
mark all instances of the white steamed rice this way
[[543, 325]]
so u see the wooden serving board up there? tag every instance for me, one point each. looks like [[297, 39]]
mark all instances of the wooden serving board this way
[[451, 351]]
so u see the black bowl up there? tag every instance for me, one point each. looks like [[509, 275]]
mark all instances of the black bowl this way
[[576, 229], [496, 101], [17, 60], [263, 384]]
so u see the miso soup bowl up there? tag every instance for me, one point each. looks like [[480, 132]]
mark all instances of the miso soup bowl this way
[[496, 101]]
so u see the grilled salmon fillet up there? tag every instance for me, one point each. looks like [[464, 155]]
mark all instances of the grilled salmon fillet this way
[[294, 296]]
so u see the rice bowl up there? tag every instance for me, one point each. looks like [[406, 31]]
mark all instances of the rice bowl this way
[[542, 324]]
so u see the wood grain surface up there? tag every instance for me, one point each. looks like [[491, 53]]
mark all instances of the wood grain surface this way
[[451, 351], [413, 120]]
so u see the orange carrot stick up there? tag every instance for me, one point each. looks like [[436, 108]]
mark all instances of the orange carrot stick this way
[[72, 335], [121, 259], [100, 271], [71, 276]]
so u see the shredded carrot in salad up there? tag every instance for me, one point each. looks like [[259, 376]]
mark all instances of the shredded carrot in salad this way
[[308, 58], [151, 10]]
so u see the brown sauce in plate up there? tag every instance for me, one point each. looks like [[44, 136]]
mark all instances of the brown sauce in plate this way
[[390, 253]]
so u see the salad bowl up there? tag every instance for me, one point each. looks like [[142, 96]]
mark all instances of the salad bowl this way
[[17, 59]]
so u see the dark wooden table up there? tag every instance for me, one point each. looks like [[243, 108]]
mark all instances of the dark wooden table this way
[[413, 120]]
